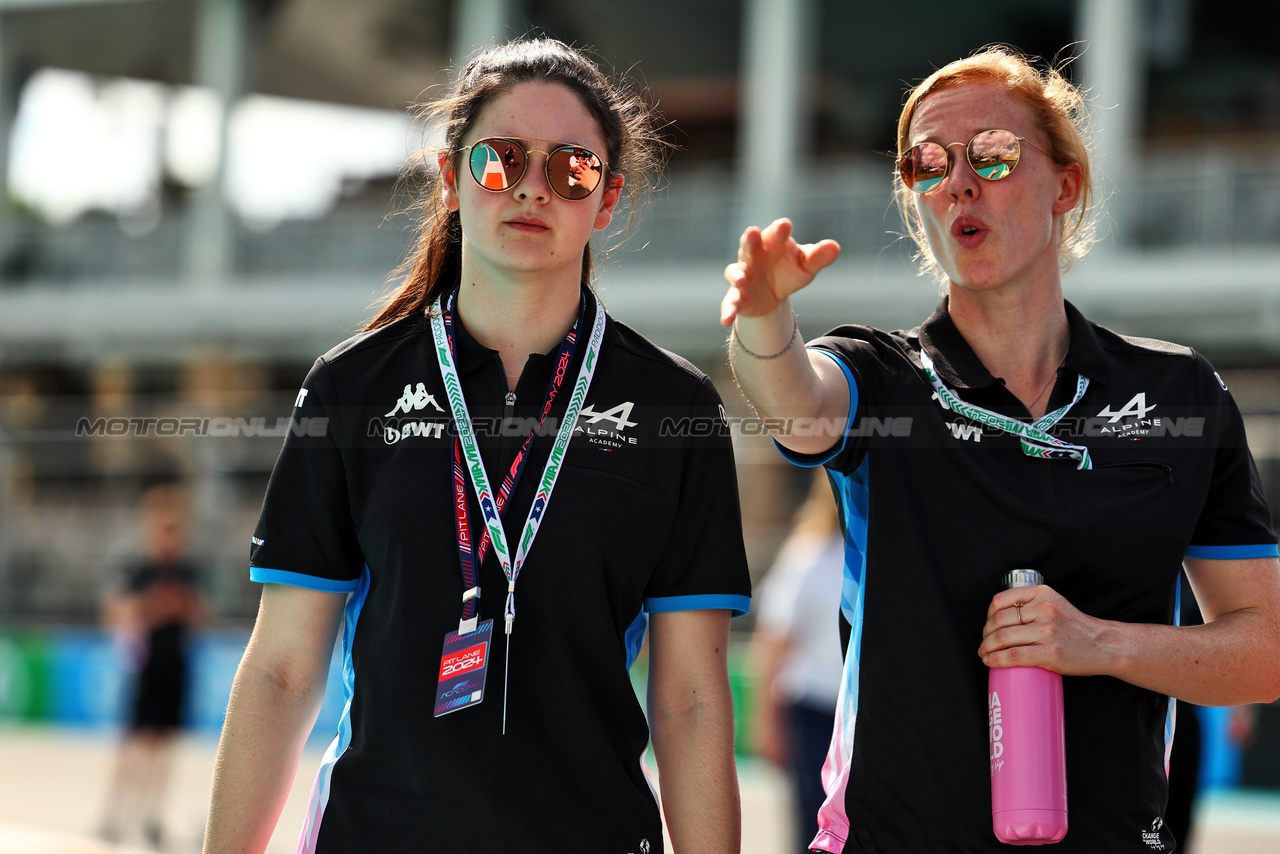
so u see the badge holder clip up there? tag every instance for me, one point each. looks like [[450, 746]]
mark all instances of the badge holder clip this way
[[466, 627]]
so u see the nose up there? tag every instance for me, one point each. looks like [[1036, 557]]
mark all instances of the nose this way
[[534, 182], [962, 180]]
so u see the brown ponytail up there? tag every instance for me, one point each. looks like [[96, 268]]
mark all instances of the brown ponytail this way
[[433, 265]]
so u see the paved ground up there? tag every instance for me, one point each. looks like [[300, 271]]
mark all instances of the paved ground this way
[[52, 784]]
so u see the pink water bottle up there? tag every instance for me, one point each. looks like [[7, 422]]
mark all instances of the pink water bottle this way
[[1028, 750]]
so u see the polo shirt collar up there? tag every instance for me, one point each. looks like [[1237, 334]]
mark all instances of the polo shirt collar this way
[[472, 355], [959, 367]]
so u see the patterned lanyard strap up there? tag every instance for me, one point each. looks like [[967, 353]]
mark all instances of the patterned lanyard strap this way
[[475, 467], [1034, 438], [468, 560]]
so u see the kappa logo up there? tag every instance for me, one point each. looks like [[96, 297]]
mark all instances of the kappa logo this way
[[620, 415], [414, 399], [644, 846], [1135, 408]]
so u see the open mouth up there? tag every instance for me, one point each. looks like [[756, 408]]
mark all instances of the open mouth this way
[[968, 229]]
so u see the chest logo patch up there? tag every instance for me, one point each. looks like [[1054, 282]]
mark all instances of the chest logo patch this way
[[413, 400], [610, 434], [1135, 408]]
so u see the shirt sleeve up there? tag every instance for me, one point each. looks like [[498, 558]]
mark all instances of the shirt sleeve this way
[[855, 350], [305, 535], [1236, 520], [704, 564]]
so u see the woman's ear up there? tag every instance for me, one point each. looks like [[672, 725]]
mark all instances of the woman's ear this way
[[1070, 182], [612, 194], [448, 182]]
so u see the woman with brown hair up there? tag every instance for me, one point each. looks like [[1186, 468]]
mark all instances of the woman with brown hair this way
[[489, 705]]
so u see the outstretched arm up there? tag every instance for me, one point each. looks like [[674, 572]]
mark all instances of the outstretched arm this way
[[691, 717], [1234, 658], [778, 376], [275, 698]]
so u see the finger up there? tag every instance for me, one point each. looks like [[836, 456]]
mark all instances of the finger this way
[[1002, 619], [820, 255], [749, 244], [1009, 598], [735, 274], [1008, 637], [777, 237], [729, 306], [781, 228]]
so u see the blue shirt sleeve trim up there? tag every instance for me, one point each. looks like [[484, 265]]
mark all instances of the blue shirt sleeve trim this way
[[1234, 552], [299, 579], [809, 461], [739, 605]]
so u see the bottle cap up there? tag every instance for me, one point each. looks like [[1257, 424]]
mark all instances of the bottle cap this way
[[1022, 578]]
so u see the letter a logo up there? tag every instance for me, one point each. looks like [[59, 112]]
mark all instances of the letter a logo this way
[[619, 415], [1135, 408]]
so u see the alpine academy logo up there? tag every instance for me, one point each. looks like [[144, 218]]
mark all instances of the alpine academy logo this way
[[608, 434], [413, 400], [620, 416], [1136, 408]]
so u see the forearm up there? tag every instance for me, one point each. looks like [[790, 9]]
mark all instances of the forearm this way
[[268, 720], [697, 775], [786, 390], [1230, 661]]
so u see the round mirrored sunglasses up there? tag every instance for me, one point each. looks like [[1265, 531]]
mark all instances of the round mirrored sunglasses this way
[[498, 163], [993, 154]]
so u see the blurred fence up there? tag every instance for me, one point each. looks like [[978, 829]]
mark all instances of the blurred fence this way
[[1203, 198], [81, 678]]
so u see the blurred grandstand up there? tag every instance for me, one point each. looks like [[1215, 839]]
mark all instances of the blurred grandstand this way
[[200, 199]]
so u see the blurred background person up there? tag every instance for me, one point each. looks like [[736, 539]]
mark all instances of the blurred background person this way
[[151, 613], [796, 653]]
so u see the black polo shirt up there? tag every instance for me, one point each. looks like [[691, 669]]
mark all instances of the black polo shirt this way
[[642, 519], [938, 507]]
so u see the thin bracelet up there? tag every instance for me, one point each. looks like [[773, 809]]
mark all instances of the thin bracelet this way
[[795, 328]]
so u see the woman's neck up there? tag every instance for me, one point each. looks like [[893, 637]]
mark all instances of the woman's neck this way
[[518, 320], [1020, 337]]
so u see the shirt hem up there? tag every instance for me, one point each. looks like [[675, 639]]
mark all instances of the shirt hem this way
[[737, 604], [263, 575], [1234, 552]]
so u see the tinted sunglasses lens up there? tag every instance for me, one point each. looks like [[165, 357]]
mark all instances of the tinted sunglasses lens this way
[[497, 164], [574, 173], [993, 154], [923, 167]]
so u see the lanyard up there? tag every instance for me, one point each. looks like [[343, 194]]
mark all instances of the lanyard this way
[[475, 467], [1035, 438], [469, 561]]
